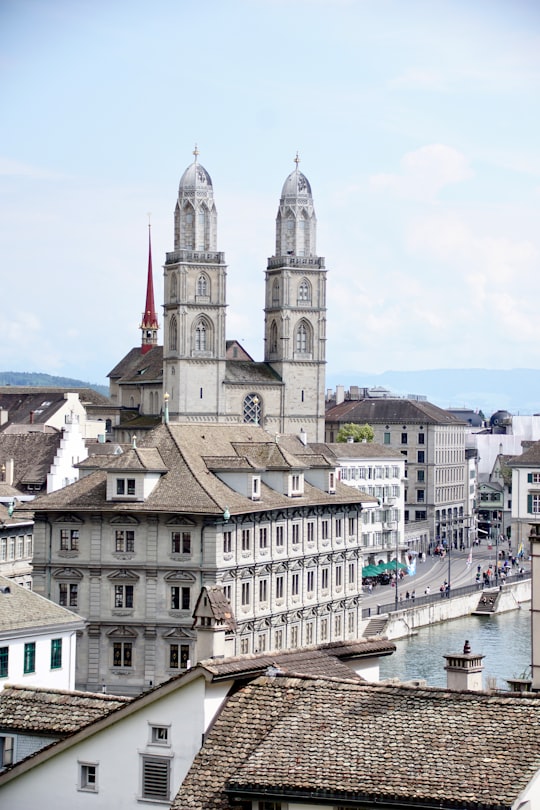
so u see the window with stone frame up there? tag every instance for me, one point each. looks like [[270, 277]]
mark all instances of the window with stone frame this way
[[122, 654], [124, 540], [181, 543], [123, 596], [69, 539], [180, 597], [178, 656], [68, 594]]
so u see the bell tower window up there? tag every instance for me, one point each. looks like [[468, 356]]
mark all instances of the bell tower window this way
[[200, 337], [202, 285], [275, 293], [273, 338], [304, 292], [173, 335], [252, 409], [303, 338]]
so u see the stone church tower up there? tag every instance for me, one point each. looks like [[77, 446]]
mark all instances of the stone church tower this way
[[199, 376], [295, 310], [194, 305]]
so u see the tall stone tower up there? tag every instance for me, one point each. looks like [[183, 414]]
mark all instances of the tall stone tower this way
[[295, 310], [195, 305]]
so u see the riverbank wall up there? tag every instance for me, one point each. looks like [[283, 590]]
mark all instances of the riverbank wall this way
[[406, 621]]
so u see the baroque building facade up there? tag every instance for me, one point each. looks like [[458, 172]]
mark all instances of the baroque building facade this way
[[202, 376], [131, 545]]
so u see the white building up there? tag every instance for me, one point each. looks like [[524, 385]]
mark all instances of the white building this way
[[37, 639]]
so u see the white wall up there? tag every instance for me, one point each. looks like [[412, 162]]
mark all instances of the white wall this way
[[44, 676]]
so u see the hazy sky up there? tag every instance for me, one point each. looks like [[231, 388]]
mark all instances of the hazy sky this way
[[417, 125]]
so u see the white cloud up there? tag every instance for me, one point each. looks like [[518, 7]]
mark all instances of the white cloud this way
[[425, 172]]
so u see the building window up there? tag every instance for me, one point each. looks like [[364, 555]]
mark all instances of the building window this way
[[56, 653], [420, 514], [310, 532], [337, 626], [122, 654], [68, 594], [421, 457], [123, 596], [295, 584], [178, 655], [278, 639], [244, 646], [339, 576], [279, 587], [255, 487], [310, 581], [420, 495], [155, 778], [403, 438], [420, 475], [200, 337], [88, 777], [304, 292], [324, 579], [245, 594], [124, 541], [534, 508], [339, 528], [173, 334], [202, 285], [69, 539], [227, 542], [181, 542], [7, 745], [125, 486], [180, 598], [227, 592], [4, 662], [534, 478], [324, 629], [295, 533], [275, 293], [421, 438], [296, 484], [386, 438], [324, 529], [279, 536], [263, 590], [352, 571], [159, 735], [273, 338], [246, 539], [29, 657], [263, 538], [303, 338], [352, 526]]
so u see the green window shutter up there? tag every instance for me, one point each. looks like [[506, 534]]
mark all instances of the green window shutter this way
[[529, 504], [529, 478]]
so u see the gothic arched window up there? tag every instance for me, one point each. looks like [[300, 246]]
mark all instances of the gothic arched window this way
[[252, 409], [304, 291], [201, 230], [202, 285], [273, 338], [275, 293], [303, 338], [173, 335], [200, 336], [174, 287]]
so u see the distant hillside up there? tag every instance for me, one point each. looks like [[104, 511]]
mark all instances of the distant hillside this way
[[514, 390], [36, 379]]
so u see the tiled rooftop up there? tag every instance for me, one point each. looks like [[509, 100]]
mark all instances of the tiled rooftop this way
[[21, 608], [375, 411], [365, 744], [53, 711]]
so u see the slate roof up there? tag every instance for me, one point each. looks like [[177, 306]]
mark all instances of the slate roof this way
[[377, 411], [44, 401], [190, 487], [316, 740], [137, 367], [32, 454], [246, 372], [358, 450], [22, 609], [52, 711]]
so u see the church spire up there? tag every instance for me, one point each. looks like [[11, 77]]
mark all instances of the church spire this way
[[149, 325]]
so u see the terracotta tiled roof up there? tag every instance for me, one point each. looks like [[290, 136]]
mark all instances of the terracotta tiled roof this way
[[21, 608], [309, 740], [324, 660], [377, 411], [189, 486], [52, 711]]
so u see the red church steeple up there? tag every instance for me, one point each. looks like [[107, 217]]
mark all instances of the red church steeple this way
[[149, 325]]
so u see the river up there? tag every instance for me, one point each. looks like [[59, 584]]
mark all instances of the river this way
[[504, 640]]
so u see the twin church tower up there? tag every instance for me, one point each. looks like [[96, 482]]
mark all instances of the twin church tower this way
[[206, 378]]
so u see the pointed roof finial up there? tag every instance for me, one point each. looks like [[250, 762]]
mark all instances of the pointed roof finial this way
[[196, 153], [297, 159]]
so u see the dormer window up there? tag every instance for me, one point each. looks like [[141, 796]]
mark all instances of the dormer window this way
[[125, 486], [296, 483], [255, 488], [331, 482]]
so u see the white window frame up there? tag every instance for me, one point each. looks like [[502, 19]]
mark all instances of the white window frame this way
[[88, 777]]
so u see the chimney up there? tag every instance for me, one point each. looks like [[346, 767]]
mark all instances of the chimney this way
[[464, 670], [303, 436], [340, 394]]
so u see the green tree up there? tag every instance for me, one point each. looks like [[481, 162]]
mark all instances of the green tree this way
[[359, 433]]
